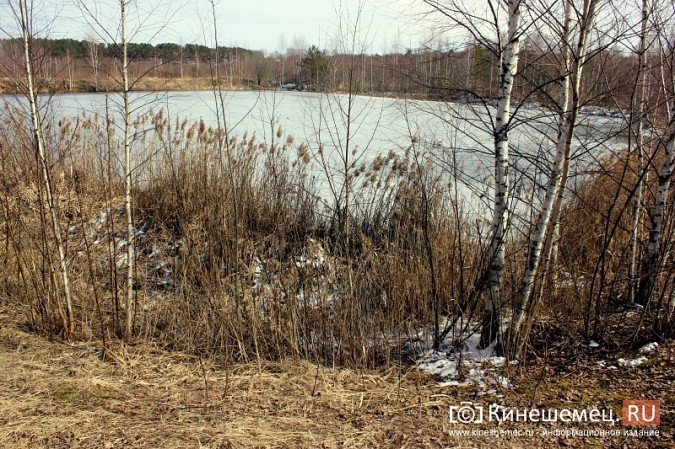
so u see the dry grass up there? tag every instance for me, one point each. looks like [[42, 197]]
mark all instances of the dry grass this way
[[55, 395], [201, 287], [64, 395], [594, 265]]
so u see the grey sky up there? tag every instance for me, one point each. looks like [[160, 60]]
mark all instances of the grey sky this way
[[260, 24], [256, 24]]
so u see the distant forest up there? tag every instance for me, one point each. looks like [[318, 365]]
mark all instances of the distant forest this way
[[461, 72], [62, 48]]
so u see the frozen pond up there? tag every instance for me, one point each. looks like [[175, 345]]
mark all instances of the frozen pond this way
[[377, 125]]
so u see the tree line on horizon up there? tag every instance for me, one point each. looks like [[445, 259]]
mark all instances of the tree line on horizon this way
[[459, 72], [78, 49]]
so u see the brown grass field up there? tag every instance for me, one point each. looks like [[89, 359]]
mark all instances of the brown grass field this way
[[64, 395]]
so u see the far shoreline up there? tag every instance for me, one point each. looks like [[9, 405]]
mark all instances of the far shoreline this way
[[63, 86]]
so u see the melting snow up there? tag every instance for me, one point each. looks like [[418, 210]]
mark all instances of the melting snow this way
[[632, 363], [121, 260], [257, 272], [649, 347], [471, 366]]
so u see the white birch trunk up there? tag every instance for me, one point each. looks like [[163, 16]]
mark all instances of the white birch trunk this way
[[42, 157], [552, 238], [130, 304], [509, 68], [554, 186], [652, 261], [92, 46], [639, 137]]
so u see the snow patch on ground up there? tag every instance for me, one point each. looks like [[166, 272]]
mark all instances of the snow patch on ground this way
[[629, 363], [603, 364], [632, 363], [649, 347], [470, 366], [312, 255]]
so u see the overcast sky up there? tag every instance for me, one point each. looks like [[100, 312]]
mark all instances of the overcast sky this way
[[270, 25]]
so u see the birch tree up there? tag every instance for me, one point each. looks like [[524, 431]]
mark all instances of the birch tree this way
[[24, 17], [571, 84], [637, 122], [95, 15], [95, 57], [655, 254], [657, 251], [130, 303], [509, 67], [486, 29]]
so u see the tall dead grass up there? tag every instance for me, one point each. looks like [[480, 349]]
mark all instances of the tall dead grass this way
[[412, 255], [595, 249], [282, 289]]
